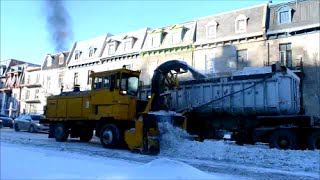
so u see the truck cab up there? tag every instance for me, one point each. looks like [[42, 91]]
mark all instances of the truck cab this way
[[114, 94]]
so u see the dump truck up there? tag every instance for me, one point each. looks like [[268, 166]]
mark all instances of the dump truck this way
[[255, 105], [112, 110]]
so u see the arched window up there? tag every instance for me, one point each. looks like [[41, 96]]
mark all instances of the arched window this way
[[211, 29], [241, 24], [284, 15]]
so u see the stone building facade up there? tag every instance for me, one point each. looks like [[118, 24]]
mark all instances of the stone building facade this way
[[231, 40], [293, 40]]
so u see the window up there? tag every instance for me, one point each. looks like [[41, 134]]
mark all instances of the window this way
[[129, 84], [175, 37], [48, 82], [242, 58], [60, 80], [285, 54], [36, 94], [75, 79], [38, 78], [28, 94], [77, 54], [61, 58], [127, 45], [112, 49], [97, 83], [209, 65], [106, 82], [92, 51], [241, 24], [89, 80], [211, 29], [284, 15], [49, 61]]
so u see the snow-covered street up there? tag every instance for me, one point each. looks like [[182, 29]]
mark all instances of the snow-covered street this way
[[25, 156]]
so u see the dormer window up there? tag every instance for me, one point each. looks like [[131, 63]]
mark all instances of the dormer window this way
[[61, 59], [113, 45], [211, 29], [284, 15], [177, 32], [112, 49], [156, 37], [49, 60], [77, 54], [127, 45], [241, 24], [92, 51]]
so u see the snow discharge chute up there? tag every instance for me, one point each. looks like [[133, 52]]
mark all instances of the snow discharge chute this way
[[165, 78]]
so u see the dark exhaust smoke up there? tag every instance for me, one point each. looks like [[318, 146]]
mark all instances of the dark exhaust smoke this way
[[58, 24]]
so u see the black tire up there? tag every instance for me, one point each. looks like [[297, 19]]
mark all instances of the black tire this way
[[314, 141], [86, 135], [61, 132], [283, 139], [110, 136], [32, 129], [16, 127]]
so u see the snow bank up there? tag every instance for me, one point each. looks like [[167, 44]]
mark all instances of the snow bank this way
[[165, 168], [19, 162], [174, 144]]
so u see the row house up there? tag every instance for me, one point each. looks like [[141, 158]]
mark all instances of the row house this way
[[167, 43], [5, 66], [230, 41], [11, 101], [293, 39], [32, 99], [83, 59], [53, 73]]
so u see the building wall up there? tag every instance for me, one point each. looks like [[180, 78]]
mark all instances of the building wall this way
[[225, 56], [306, 48]]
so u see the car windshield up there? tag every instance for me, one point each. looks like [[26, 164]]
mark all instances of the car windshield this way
[[36, 117], [130, 84]]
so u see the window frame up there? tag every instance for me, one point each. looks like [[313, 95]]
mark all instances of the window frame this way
[[214, 26], [244, 18], [241, 63], [282, 10]]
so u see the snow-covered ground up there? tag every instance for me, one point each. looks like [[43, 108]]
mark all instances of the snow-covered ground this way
[[25, 155]]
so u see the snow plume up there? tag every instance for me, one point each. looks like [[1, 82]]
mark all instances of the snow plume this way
[[58, 24]]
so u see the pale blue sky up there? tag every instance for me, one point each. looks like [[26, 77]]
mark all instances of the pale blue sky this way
[[23, 26]]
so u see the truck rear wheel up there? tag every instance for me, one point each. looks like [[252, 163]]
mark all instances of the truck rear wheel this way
[[283, 139], [314, 141], [110, 136], [61, 132]]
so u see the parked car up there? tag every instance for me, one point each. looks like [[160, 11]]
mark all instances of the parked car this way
[[30, 122], [6, 121]]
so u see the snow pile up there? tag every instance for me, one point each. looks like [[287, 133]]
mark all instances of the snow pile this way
[[174, 144], [165, 168]]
